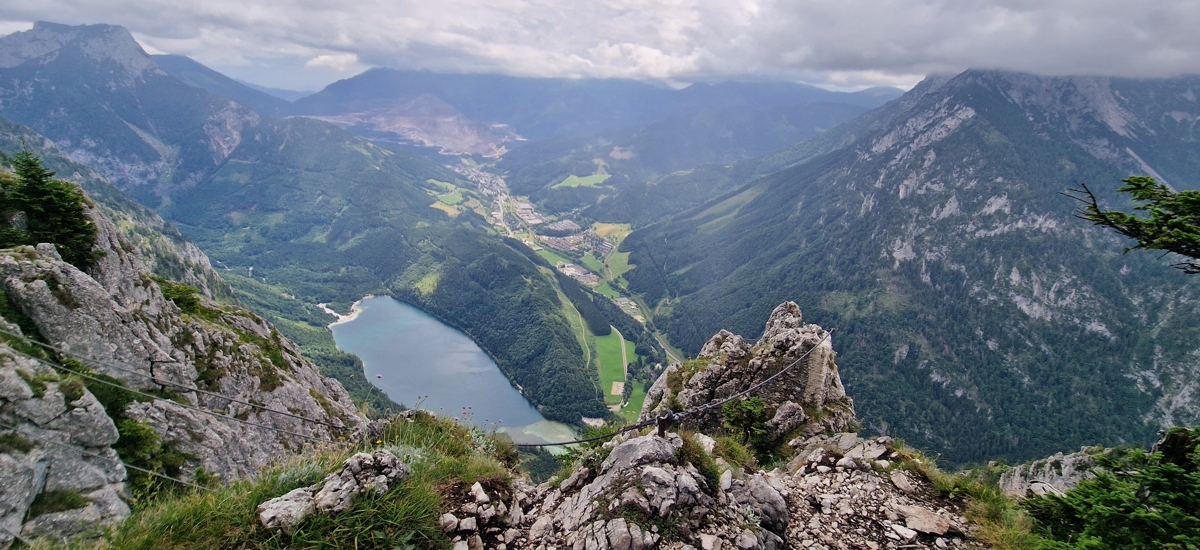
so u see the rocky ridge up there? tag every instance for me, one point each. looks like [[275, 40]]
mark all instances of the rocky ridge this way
[[1051, 475], [645, 496], [116, 321], [809, 397], [644, 491]]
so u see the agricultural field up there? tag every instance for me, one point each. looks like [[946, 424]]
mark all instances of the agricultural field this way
[[612, 360], [631, 411], [451, 210], [451, 198], [589, 261], [552, 257], [586, 181], [618, 264], [618, 230], [605, 290]]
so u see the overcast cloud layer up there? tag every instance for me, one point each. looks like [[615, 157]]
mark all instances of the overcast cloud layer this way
[[305, 44]]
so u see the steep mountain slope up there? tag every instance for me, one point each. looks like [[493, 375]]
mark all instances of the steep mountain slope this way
[[106, 104], [302, 211], [162, 250], [188, 71], [979, 317], [649, 201], [111, 374]]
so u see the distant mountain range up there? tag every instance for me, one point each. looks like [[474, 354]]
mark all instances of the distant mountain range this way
[[977, 316]]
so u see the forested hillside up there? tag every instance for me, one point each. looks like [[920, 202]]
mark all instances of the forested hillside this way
[[977, 316]]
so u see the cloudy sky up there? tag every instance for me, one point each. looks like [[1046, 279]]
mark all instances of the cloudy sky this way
[[844, 44]]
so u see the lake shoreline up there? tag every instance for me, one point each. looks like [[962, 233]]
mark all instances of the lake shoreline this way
[[410, 353], [355, 310]]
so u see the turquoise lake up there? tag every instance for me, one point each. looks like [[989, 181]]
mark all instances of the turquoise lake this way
[[420, 361]]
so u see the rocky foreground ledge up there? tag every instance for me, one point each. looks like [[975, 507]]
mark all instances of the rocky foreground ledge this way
[[839, 492]]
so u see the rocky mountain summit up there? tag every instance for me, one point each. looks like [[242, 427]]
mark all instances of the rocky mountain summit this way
[[643, 491], [810, 396], [220, 389]]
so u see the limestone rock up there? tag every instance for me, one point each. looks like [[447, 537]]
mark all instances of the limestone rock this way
[[448, 522], [479, 494], [116, 316], [900, 480], [765, 502], [60, 444], [1059, 472], [729, 365], [922, 520], [287, 511], [360, 473]]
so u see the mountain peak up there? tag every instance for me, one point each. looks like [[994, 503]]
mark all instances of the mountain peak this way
[[46, 41]]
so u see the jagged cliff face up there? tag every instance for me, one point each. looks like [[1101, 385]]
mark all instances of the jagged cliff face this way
[[117, 319], [104, 102], [808, 399], [57, 439], [981, 318]]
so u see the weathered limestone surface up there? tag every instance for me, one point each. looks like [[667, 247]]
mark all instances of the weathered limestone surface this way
[[360, 473], [840, 491], [1054, 474], [55, 439], [728, 365], [117, 318]]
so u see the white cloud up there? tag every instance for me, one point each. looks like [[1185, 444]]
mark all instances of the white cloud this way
[[9, 27], [341, 62], [843, 43]]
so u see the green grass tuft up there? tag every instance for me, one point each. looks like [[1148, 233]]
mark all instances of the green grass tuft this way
[[440, 452], [49, 502]]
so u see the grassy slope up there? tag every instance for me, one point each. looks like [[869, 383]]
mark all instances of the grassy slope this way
[[585, 181], [443, 455]]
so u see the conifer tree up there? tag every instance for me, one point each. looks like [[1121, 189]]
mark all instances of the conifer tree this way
[[40, 209], [1172, 223]]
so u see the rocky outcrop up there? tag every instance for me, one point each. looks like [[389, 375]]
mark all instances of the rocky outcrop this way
[[59, 473], [1053, 475], [335, 494], [839, 491], [641, 491], [118, 318], [808, 399], [263, 401]]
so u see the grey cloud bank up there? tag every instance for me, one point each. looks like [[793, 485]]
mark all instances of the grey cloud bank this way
[[844, 44]]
